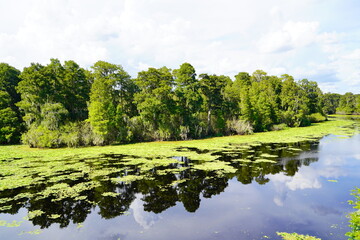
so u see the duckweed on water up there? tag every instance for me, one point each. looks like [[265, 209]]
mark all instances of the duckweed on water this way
[[35, 213], [295, 236], [14, 223], [69, 175], [34, 232]]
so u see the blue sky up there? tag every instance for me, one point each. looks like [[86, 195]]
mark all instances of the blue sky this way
[[314, 39]]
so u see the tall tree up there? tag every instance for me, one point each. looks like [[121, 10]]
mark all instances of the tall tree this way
[[264, 103], [75, 90], [155, 101], [313, 95], [331, 102], [106, 90], [347, 104], [10, 117], [212, 88], [293, 102], [188, 98]]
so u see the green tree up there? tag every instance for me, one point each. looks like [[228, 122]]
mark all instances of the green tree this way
[[331, 102], [75, 90], [10, 126], [313, 95], [212, 88], [52, 97], [188, 99], [293, 103], [347, 104], [264, 105], [258, 76], [155, 102], [105, 106], [10, 117]]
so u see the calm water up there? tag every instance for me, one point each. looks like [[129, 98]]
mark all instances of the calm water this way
[[304, 192]]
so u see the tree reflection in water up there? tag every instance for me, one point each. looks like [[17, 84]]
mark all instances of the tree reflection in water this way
[[159, 191]]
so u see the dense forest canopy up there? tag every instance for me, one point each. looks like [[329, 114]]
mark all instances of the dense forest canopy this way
[[62, 104]]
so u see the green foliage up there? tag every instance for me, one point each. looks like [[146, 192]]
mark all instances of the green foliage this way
[[239, 127], [41, 136], [188, 100], [354, 217], [294, 104], [278, 127], [330, 102], [52, 96], [65, 105], [212, 89], [348, 104], [108, 98], [10, 117], [313, 95], [316, 117], [155, 102], [10, 126]]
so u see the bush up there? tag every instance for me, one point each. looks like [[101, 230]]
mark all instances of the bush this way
[[70, 135], [317, 117], [184, 132], [42, 137], [239, 127], [278, 127]]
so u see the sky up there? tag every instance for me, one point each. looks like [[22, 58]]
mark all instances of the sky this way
[[314, 39]]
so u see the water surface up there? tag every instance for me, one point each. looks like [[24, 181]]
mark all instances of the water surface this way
[[302, 187]]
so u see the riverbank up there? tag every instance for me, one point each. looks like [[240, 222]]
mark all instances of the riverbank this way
[[169, 148]]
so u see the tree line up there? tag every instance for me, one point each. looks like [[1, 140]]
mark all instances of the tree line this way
[[63, 104]]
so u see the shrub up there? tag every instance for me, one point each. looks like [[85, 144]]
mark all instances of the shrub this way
[[317, 117], [278, 127], [238, 126], [184, 132], [42, 137], [70, 135]]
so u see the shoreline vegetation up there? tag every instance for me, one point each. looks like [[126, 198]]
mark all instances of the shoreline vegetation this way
[[168, 149], [61, 104]]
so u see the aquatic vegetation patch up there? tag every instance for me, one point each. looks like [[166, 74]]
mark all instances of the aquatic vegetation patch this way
[[218, 166], [110, 194], [35, 213], [295, 236], [34, 232], [263, 160], [14, 223], [63, 190]]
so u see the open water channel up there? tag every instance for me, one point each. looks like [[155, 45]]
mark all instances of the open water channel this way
[[305, 190]]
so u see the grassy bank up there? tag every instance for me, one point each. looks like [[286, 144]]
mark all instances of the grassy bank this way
[[168, 149]]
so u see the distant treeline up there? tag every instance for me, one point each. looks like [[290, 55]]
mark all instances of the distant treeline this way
[[65, 105]]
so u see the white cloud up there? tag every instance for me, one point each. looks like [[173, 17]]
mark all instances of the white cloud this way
[[216, 37], [145, 219], [292, 35]]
